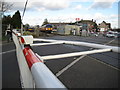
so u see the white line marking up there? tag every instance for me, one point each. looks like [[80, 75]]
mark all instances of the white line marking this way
[[71, 64], [68, 66], [8, 51], [109, 42], [103, 63], [6, 43]]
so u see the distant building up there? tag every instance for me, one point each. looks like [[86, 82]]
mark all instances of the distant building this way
[[88, 25], [116, 29], [57, 25], [69, 30], [104, 26], [76, 27]]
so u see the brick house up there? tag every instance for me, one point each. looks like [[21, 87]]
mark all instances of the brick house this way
[[104, 26], [88, 25]]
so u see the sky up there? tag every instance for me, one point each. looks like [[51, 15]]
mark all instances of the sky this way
[[66, 11]]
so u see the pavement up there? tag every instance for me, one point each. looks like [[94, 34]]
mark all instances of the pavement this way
[[10, 69]]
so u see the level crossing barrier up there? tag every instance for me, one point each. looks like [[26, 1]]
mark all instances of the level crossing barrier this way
[[34, 73], [92, 45], [98, 48]]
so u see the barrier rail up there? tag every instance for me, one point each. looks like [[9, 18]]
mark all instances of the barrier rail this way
[[34, 73], [93, 45]]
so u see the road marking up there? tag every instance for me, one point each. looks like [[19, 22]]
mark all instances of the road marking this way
[[109, 42], [68, 66], [7, 51], [71, 64], [103, 63], [5, 43]]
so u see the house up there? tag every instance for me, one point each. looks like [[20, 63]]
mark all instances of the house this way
[[104, 26], [61, 28], [88, 25], [76, 27], [56, 25], [69, 30]]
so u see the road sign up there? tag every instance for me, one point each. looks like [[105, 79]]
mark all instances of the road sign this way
[[77, 19]]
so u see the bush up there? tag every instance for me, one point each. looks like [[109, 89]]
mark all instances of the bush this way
[[3, 38], [29, 33]]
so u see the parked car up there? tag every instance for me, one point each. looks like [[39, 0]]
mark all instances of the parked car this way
[[112, 34], [117, 35]]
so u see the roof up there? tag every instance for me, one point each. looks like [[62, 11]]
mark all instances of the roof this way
[[106, 23], [59, 23], [86, 21]]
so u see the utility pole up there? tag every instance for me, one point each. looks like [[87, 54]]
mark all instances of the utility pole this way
[[21, 28], [23, 16]]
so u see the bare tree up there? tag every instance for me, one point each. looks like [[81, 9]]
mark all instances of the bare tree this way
[[5, 6]]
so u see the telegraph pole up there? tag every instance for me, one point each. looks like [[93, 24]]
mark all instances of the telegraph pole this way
[[23, 16]]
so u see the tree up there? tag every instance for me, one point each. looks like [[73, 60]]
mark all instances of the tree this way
[[95, 27], [16, 20], [26, 26], [5, 6], [45, 22], [6, 20]]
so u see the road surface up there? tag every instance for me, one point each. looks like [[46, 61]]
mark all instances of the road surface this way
[[91, 71]]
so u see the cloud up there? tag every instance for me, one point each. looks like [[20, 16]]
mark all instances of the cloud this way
[[51, 5], [99, 17], [102, 4], [20, 6], [78, 7], [41, 4]]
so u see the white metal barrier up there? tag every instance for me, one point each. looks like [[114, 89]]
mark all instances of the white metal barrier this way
[[34, 73], [93, 45], [26, 77]]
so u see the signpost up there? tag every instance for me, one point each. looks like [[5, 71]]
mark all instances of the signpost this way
[[77, 19]]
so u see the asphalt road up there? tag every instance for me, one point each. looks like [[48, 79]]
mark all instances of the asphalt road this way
[[91, 71]]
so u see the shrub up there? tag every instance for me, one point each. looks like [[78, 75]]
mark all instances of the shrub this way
[[29, 33]]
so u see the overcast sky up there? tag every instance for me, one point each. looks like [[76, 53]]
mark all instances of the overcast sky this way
[[66, 10]]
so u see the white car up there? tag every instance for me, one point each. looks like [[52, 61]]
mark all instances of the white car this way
[[111, 34]]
